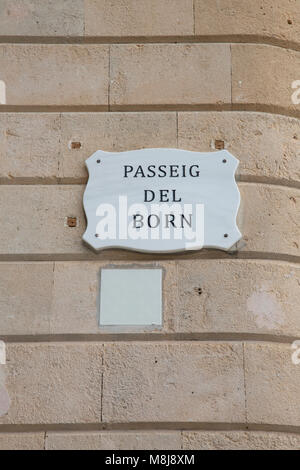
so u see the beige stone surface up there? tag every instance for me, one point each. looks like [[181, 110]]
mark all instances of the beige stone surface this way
[[243, 296], [55, 74], [4, 396], [239, 440], [272, 384], [29, 146], [268, 19], [263, 75], [49, 57], [37, 146], [199, 296], [26, 298], [54, 383], [130, 440], [271, 19], [182, 381], [269, 218], [152, 74], [34, 301], [42, 18], [111, 132], [78, 312], [267, 145], [34, 220], [139, 17], [21, 441]]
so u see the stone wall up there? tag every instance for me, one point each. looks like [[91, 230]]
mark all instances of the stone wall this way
[[80, 75]]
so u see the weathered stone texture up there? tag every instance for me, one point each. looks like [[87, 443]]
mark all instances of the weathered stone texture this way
[[186, 382], [134, 440], [240, 440], [21, 441], [53, 383], [172, 74], [55, 74], [267, 145], [263, 76], [139, 18], [272, 384], [270, 19], [42, 18]]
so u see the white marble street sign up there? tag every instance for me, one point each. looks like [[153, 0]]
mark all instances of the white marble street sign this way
[[161, 200]]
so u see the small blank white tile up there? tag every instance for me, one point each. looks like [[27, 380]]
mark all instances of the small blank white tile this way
[[131, 297]]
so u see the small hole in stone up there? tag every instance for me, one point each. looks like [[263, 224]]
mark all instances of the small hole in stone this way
[[289, 21], [224, 161], [198, 290], [71, 221], [75, 145], [225, 235], [98, 161], [219, 144]]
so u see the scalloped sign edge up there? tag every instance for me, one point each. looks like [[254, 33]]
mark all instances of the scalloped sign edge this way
[[93, 163]]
